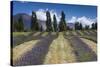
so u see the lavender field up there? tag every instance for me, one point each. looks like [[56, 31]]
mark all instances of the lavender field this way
[[54, 48]]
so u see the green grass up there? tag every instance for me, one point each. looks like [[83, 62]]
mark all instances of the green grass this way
[[15, 34], [90, 38], [87, 34]]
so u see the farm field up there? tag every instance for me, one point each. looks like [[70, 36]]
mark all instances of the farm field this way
[[34, 48]]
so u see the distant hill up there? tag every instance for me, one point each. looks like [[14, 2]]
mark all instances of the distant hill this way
[[26, 19], [71, 25]]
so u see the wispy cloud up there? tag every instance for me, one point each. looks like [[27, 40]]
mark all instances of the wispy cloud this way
[[84, 20]]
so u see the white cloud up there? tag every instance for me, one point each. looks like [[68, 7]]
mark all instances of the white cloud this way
[[84, 20], [41, 14], [72, 20]]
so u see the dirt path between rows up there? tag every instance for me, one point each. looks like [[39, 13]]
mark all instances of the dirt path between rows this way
[[90, 44]]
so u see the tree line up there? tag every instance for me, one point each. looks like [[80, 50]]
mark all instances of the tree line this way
[[79, 26], [50, 25]]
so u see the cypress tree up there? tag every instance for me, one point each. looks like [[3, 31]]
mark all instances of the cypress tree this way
[[62, 24], [48, 22], [93, 26], [55, 23], [20, 25], [76, 25], [80, 26], [86, 27], [41, 29], [96, 25], [15, 26], [34, 23]]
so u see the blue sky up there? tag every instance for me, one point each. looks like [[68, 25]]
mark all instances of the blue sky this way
[[72, 12]]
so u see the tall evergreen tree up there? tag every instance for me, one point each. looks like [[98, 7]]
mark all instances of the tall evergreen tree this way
[[93, 26], [96, 25], [54, 23], [48, 22], [34, 23], [20, 25], [86, 27], [76, 25], [41, 29], [15, 26], [80, 26], [62, 24]]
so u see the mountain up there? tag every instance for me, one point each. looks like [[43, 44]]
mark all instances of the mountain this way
[[26, 19]]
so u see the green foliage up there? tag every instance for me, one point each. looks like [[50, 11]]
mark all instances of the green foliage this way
[[18, 26], [34, 23], [41, 29], [94, 25], [14, 25], [78, 26], [55, 23], [87, 27], [48, 22], [62, 24]]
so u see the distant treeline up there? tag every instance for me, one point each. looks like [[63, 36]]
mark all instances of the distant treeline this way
[[50, 26]]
